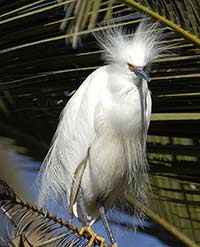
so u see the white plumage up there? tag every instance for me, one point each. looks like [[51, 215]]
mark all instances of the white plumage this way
[[105, 122]]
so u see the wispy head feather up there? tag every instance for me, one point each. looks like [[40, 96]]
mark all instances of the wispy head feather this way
[[139, 49]]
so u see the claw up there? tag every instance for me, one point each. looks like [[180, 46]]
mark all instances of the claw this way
[[101, 240], [94, 236]]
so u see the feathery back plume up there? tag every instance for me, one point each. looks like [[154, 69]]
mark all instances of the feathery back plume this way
[[139, 49]]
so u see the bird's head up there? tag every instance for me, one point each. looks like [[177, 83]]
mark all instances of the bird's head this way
[[139, 71], [133, 51]]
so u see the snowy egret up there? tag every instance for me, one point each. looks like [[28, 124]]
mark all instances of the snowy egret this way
[[98, 151]]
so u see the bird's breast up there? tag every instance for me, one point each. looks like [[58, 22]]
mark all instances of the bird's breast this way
[[123, 112]]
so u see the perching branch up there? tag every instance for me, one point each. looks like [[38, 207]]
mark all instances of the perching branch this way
[[24, 224]]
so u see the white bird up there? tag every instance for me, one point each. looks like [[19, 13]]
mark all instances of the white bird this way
[[98, 151]]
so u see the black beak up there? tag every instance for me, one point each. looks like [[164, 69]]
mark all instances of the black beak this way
[[141, 74]]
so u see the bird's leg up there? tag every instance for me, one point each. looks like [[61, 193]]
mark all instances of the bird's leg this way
[[82, 208], [100, 204], [76, 182], [70, 219], [86, 229]]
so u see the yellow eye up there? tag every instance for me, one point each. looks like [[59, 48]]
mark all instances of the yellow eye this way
[[130, 66]]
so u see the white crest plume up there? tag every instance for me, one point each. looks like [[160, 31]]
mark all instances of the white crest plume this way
[[139, 49]]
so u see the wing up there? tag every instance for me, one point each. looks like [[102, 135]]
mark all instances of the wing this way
[[74, 136]]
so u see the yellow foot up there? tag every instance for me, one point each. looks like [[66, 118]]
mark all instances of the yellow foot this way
[[115, 245], [93, 236]]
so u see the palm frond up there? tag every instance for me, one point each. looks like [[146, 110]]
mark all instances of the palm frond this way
[[26, 225], [184, 13], [173, 13], [184, 28], [162, 222], [83, 14]]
